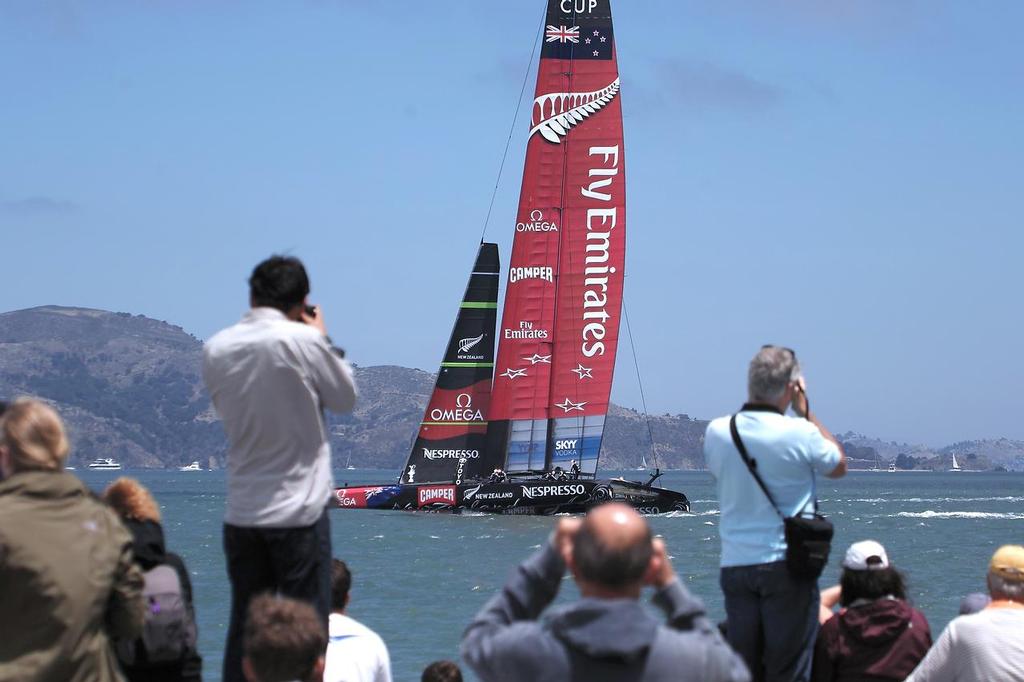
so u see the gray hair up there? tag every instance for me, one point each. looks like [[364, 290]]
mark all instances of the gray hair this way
[[1002, 588], [770, 372]]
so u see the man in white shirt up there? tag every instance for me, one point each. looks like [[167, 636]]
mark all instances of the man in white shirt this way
[[355, 653], [989, 644], [270, 376]]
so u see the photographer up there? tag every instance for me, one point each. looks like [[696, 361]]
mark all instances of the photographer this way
[[269, 378], [772, 613], [608, 634]]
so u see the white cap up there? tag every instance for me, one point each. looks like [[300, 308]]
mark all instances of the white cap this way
[[866, 555]]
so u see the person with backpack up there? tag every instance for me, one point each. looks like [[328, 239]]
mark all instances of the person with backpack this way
[[166, 651], [57, 618]]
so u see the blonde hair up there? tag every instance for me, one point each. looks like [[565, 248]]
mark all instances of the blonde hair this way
[[132, 500], [34, 436]]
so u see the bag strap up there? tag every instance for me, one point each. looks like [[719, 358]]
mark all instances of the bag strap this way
[[751, 464]]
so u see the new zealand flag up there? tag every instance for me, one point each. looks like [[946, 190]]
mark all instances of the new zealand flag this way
[[584, 31]]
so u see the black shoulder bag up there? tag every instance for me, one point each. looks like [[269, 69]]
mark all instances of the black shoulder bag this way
[[808, 536]]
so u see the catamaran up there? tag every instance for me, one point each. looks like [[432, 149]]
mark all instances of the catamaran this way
[[519, 431]]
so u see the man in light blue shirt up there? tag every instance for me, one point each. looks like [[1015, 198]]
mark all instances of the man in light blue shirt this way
[[772, 616]]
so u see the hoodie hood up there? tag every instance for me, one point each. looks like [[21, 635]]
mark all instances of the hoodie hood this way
[[619, 629], [148, 542], [877, 622]]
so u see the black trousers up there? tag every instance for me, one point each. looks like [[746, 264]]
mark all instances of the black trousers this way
[[772, 620], [292, 562]]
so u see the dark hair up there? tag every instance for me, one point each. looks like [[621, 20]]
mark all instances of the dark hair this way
[[441, 671], [284, 638], [613, 567], [279, 282], [341, 583], [871, 585]]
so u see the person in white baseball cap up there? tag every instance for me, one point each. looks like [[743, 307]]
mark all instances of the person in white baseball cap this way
[[876, 634], [866, 555]]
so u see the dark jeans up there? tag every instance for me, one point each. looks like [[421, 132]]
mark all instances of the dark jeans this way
[[293, 562], [772, 620]]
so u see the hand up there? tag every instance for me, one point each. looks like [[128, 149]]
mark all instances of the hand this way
[[565, 531], [660, 572], [799, 403], [315, 320]]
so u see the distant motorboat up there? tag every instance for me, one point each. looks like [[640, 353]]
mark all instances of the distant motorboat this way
[[892, 467], [105, 464], [194, 466]]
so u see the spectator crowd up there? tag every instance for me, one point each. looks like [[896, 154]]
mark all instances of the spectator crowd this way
[[89, 591]]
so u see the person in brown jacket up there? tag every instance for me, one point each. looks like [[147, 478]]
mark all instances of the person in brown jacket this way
[[67, 579]]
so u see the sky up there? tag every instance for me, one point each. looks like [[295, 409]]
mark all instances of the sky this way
[[842, 178]]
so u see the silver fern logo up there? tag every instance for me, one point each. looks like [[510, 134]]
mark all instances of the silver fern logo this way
[[465, 345], [556, 113]]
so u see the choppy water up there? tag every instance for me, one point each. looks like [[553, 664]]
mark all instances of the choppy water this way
[[419, 578]]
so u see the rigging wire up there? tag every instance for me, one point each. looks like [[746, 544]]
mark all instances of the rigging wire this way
[[639, 381], [515, 119]]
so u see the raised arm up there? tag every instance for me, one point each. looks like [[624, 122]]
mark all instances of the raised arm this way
[[802, 408], [532, 586], [685, 612]]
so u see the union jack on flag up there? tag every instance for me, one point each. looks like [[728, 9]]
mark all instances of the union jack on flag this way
[[562, 34]]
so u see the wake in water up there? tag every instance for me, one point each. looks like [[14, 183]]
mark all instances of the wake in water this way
[[958, 515], [1010, 498]]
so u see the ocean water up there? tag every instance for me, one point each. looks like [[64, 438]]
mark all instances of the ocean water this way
[[419, 578]]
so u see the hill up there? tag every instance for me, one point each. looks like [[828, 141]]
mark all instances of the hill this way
[[130, 388]]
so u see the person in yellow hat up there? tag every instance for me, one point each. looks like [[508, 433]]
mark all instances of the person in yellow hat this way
[[988, 645]]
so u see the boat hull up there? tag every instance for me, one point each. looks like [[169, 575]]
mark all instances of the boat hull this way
[[520, 496]]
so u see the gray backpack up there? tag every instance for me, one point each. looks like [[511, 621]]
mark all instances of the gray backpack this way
[[169, 631]]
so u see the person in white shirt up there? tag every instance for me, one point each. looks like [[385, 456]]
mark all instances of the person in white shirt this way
[[987, 645], [355, 653], [270, 377]]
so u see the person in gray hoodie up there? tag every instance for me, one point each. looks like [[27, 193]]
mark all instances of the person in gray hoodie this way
[[607, 634]]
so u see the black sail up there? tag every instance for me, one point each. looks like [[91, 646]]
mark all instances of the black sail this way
[[450, 446]]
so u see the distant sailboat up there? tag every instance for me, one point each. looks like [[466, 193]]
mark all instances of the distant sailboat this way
[[956, 466]]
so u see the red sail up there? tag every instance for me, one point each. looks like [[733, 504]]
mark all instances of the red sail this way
[[560, 324]]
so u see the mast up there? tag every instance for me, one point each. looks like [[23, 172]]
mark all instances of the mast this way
[[560, 323], [450, 446]]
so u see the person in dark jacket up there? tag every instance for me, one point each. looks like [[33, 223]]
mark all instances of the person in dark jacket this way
[[141, 516], [67, 580], [608, 634], [877, 635]]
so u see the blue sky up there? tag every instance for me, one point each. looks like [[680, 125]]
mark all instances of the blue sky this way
[[842, 178]]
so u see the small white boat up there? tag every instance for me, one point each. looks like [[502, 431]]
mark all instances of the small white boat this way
[[956, 466], [194, 466], [105, 464], [892, 467]]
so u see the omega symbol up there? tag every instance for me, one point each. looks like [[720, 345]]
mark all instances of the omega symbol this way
[[463, 404]]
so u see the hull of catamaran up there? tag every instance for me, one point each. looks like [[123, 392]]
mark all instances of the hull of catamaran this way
[[521, 496]]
